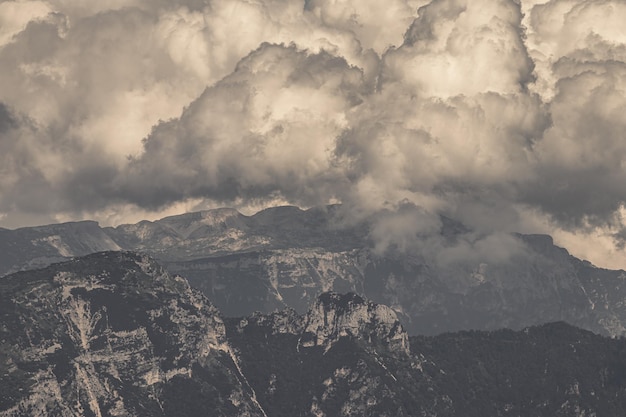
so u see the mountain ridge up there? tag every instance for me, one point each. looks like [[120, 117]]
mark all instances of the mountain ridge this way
[[285, 257]]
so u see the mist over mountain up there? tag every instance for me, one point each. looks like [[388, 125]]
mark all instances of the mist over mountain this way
[[504, 114], [436, 275]]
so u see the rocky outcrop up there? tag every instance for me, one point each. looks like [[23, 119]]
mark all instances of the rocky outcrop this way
[[114, 334], [343, 369], [335, 316], [345, 357]]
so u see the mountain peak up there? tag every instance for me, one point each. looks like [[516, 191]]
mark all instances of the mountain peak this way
[[335, 315]]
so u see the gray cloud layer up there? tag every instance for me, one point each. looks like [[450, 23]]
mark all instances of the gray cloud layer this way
[[502, 119]]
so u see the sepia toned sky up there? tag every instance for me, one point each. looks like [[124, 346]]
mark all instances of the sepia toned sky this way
[[506, 116]]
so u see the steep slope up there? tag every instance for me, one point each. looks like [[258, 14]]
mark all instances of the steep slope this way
[[33, 247], [349, 357], [285, 257], [114, 334], [541, 283], [345, 357]]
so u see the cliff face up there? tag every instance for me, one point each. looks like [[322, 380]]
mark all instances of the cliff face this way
[[114, 334], [335, 316]]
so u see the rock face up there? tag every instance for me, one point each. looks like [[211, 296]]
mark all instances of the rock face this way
[[285, 257], [114, 334], [334, 316]]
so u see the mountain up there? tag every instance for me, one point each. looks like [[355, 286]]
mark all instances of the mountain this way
[[345, 357], [113, 334], [549, 370], [285, 257], [33, 247], [350, 357], [226, 231]]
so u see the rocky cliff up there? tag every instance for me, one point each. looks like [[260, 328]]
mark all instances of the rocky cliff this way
[[113, 334]]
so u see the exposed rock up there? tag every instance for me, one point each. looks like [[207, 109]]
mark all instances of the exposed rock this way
[[339, 315], [114, 334]]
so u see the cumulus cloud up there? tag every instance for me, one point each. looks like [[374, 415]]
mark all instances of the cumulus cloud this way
[[14, 16], [506, 116], [461, 47], [580, 53], [268, 128], [449, 139]]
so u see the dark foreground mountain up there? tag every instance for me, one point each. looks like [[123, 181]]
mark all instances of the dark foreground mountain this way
[[549, 370], [113, 334], [283, 257]]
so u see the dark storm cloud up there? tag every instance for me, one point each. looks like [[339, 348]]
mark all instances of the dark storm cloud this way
[[7, 121], [580, 169]]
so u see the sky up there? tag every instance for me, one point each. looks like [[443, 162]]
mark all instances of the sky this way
[[505, 115]]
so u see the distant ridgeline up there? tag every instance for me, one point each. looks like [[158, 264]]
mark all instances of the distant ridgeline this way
[[114, 334], [285, 257]]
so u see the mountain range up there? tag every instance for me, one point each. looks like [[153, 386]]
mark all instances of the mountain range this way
[[115, 334], [285, 257]]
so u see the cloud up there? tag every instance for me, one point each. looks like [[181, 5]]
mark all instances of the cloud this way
[[580, 168], [406, 228], [462, 47], [7, 121], [587, 31], [507, 116], [14, 16], [445, 139], [268, 128], [377, 25]]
